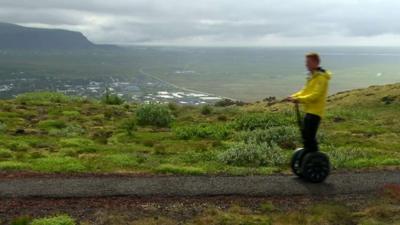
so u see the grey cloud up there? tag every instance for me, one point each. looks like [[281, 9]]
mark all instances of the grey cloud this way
[[139, 21]]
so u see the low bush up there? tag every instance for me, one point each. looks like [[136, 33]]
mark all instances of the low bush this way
[[253, 154], [111, 99], [342, 157], [43, 98], [3, 127], [5, 153], [261, 121], [56, 220], [206, 110], [228, 102], [286, 137], [218, 132], [71, 130], [18, 146], [129, 126], [51, 124], [154, 115]]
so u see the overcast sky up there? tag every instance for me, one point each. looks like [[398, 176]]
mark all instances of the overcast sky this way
[[216, 22]]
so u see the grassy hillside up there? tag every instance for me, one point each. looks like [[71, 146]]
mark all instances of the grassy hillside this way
[[50, 132]]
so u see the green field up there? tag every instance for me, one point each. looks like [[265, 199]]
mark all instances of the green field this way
[[50, 132]]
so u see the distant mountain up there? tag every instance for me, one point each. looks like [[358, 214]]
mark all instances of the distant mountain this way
[[27, 38]]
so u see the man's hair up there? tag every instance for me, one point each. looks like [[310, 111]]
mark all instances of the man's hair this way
[[314, 56]]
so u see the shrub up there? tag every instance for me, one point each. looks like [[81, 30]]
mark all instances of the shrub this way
[[18, 146], [129, 126], [23, 220], [51, 124], [218, 132], [173, 106], [101, 135], [43, 98], [206, 110], [72, 130], [5, 153], [252, 154], [3, 127], [57, 164], [222, 118], [388, 99], [228, 102], [72, 114], [351, 114], [286, 137], [13, 166], [76, 142], [260, 121], [56, 220], [154, 114], [342, 157], [111, 99]]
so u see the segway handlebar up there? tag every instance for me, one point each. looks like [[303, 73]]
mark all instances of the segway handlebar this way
[[298, 115]]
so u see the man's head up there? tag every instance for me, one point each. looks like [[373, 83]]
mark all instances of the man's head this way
[[312, 61]]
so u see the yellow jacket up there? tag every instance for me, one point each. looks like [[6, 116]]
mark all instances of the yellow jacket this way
[[314, 93]]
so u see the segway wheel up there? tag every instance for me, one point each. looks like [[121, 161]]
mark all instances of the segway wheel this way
[[295, 162], [315, 167]]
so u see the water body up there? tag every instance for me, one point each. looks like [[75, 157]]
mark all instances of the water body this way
[[254, 73]]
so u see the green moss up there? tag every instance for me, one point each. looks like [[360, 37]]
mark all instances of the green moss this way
[[57, 164], [52, 124], [122, 160], [203, 131], [75, 142], [5, 153], [56, 220], [14, 166], [72, 114], [18, 146], [43, 98]]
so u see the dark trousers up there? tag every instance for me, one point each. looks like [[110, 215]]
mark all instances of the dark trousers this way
[[309, 132]]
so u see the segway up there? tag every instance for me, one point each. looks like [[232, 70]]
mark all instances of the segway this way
[[311, 166]]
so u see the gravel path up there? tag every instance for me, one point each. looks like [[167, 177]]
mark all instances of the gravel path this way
[[276, 185]]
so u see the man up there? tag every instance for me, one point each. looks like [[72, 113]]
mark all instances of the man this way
[[313, 98]]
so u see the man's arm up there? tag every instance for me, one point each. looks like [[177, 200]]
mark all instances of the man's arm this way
[[297, 93], [320, 87]]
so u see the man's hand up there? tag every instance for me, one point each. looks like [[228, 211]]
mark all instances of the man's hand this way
[[291, 99]]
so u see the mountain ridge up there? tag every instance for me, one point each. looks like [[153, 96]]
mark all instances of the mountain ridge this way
[[18, 37]]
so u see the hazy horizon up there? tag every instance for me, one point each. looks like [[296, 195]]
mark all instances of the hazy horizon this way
[[216, 23]]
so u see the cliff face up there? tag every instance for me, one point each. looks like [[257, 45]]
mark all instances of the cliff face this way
[[25, 38]]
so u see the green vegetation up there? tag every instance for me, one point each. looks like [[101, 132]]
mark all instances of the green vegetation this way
[[51, 132], [54, 220], [57, 220], [253, 154], [154, 115], [111, 99]]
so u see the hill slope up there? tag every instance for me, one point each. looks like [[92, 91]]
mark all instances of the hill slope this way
[[18, 37], [50, 132]]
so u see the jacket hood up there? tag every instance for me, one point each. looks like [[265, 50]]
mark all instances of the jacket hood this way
[[325, 73]]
